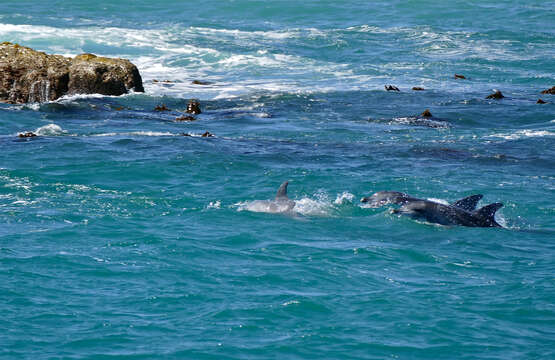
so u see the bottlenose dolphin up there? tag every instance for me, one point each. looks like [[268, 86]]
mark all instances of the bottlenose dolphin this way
[[280, 204], [462, 212]]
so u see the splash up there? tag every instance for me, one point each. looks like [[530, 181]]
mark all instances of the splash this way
[[345, 197], [50, 130], [523, 134]]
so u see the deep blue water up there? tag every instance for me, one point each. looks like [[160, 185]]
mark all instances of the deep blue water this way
[[121, 238]]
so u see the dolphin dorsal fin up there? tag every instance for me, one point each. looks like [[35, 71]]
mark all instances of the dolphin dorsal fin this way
[[488, 213], [468, 203], [282, 191]]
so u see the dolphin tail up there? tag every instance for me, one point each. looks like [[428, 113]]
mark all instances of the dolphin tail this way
[[282, 191], [488, 213], [468, 203]]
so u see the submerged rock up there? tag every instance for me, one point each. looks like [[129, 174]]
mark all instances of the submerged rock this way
[[496, 95], [201, 82], [185, 118], [458, 76], [549, 91], [27, 75], [426, 113], [540, 101], [27, 134], [206, 134], [161, 108], [418, 88], [391, 88]]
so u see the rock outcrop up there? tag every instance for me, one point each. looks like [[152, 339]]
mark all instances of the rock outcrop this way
[[193, 107], [496, 95], [90, 74], [27, 75]]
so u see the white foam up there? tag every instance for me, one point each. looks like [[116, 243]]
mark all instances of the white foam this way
[[291, 302], [172, 53], [523, 134], [67, 99], [343, 198], [50, 130], [214, 205], [311, 207], [263, 206], [318, 206]]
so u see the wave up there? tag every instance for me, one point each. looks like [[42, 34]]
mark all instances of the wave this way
[[136, 133], [50, 130], [520, 134], [240, 62]]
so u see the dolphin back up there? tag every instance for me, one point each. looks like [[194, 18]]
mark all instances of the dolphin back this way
[[468, 203], [487, 213], [282, 191]]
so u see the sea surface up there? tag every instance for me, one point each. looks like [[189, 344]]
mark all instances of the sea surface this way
[[120, 238]]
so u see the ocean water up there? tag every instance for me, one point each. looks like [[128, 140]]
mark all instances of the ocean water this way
[[122, 239]]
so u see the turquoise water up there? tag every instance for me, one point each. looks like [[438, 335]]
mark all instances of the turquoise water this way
[[120, 238]]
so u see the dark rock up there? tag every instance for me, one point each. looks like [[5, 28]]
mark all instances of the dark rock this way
[[162, 81], [540, 101], [27, 134], [496, 95], [91, 74], [207, 134], [549, 91], [458, 76], [161, 108], [193, 107], [185, 118], [201, 82], [27, 75], [426, 113], [417, 88], [391, 88]]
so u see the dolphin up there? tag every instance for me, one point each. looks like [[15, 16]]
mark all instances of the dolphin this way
[[281, 203], [382, 198], [461, 212]]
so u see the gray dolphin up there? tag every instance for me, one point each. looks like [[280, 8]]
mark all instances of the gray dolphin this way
[[280, 204], [462, 212]]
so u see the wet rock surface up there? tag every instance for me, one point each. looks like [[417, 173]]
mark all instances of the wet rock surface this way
[[201, 82], [91, 74], [27, 134], [193, 107], [495, 95], [162, 107], [185, 118], [27, 75]]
